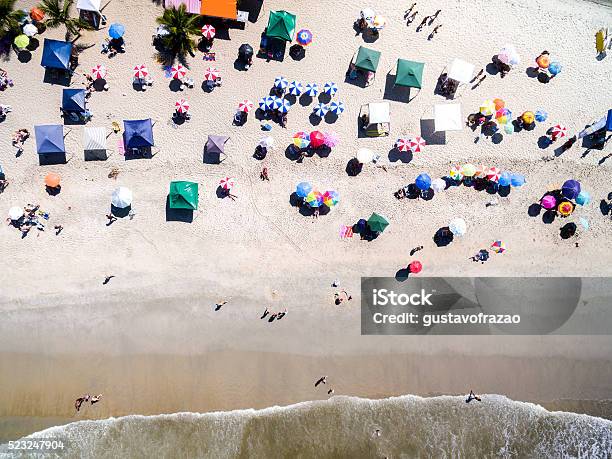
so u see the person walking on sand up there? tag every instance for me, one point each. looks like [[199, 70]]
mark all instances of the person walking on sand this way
[[411, 18], [107, 279], [477, 76], [434, 17], [58, 229], [220, 304], [415, 250], [321, 380], [330, 392], [422, 24], [111, 219], [409, 10], [281, 314], [434, 32], [471, 397], [96, 398]]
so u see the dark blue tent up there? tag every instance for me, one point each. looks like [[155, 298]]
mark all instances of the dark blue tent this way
[[56, 54], [73, 100], [609, 121], [138, 133], [49, 139]]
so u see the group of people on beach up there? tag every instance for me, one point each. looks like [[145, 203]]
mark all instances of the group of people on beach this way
[[86, 398], [410, 16], [323, 380]]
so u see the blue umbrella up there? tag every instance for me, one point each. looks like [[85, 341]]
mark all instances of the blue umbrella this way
[[583, 198], [281, 82], [336, 107], [265, 103], [277, 102], [296, 88], [554, 68], [504, 179], [330, 88], [284, 105], [321, 110], [311, 89], [423, 182], [116, 30], [303, 189], [541, 115], [571, 189], [517, 180]]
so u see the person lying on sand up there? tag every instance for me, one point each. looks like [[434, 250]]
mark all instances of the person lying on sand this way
[[342, 296], [321, 380], [264, 314], [471, 397], [415, 250], [411, 18], [219, 304], [96, 398], [477, 76], [79, 401]]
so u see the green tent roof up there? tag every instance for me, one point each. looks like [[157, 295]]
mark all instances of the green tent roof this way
[[409, 73], [281, 25], [367, 59], [377, 223], [183, 195]]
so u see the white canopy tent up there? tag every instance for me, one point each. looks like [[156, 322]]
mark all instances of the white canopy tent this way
[[461, 71], [379, 112], [89, 11], [447, 117], [376, 118], [94, 143]]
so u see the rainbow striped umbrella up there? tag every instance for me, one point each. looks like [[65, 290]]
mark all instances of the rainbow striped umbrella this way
[[182, 106], [456, 173], [330, 198], [246, 106], [208, 31], [336, 108], [99, 71], [314, 199], [311, 89], [503, 115], [141, 71], [487, 108], [330, 88], [416, 144], [227, 183], [295, 88], [321, 110], [211, 74], [304, 37], [178, 72], [498, 247], [402, 144], [301, 140], [493, 174], [281, 82]]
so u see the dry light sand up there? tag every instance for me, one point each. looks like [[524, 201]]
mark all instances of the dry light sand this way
[[150, 341]]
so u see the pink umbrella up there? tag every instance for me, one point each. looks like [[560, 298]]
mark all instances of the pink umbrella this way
[[211, 74], [227, 183], [208, 31], [548, 202], [182, 106], [416, 144], [558, 131], [99, 71], [178, 72], [493, 174], [245, 106], [403, 144], [331, 139], [141, 72]]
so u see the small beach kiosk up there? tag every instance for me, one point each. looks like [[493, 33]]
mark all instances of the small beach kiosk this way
[[375, 119], [50, 143], [94, 143], [280, 31], [222, 9], [365, 60], [89, 11], [409, 74], [137, 135]]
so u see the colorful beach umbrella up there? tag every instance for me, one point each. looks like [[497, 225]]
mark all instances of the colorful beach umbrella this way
[[540, 116], [303, 189], [548, 202], [571, 189], [558, 131], [211, 74], [280, 82], [331, 139], [498, 247], [457, 226], [122, 197], [423, 182], [320, 110], [481, 171], [98, 72], [337, 108], [554, 68], [499, 104], [281, 104], [301, 140], [379, 22], [52, 180], [493, 174], [116, 30], [311, 90], [314, 199], [330, 88], [304, 37], [317, 139], [438, 185], [227, 183], [416, 144], [456, 173], [565, 208], [265, 103], [503, 115], [330, 198], [295, 88], [208, 31], [182, 106], [415, 267], [487, 108], [37, 14], [583, 198], [504, 179], [30, 30], [543, 61], [246, 106], [468, 170], [402, 144], [21, 41], [517, 180], [141, 71], [178, 72], [528, 117]]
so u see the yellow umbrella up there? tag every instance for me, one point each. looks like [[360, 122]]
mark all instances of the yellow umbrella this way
[[528, 117], [21, 41], [565, 208], [487, 108], [379, 22], [468, 170]]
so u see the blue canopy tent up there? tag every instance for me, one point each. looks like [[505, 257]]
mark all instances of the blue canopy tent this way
[[56, 54], [49, 139], [609, 122], [138, 133], [73, 100]]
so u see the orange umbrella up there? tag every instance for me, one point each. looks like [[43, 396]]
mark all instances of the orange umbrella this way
[[52, 180], [499, 104], [37, 14], [543, 61], [565, 208]]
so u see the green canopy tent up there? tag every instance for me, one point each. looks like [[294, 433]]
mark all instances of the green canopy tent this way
[[183, 195], [409, 73], [367, 59], [281, 25], [377, 223]]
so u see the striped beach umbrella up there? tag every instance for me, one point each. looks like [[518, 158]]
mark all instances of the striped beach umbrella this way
[[456, 173], [227, 183], [330, 88], [246, 106], [487, 108], [314, 199], [182, 106], [402, 144], [312, 89], [211, 74], [541, 115], [284, 105], [558, 131], [317, 139], [281, 82], [301, 140], [416, 144], [296, 88], [304, 37], [321, 110], [493, 174], [498, 247], [330, 198], [99, 71], [178, 72], [481, 171], [208, 31], [141, 71], [336, 108], [265, 103]]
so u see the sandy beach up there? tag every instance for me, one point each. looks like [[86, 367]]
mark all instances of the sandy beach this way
[[150, 340]]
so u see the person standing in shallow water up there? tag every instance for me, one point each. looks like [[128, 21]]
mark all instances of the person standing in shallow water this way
[[472, 396]]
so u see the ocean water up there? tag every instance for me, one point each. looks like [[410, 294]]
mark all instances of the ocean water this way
[[344, 427]]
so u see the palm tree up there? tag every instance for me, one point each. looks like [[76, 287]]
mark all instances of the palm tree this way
[[181, 27], [9, 18], [58, 13]]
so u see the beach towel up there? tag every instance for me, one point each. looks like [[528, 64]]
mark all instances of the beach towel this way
[[600, 42], [121, 147], [346, 231]]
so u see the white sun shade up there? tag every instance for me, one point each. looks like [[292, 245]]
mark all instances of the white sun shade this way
[[94, 138], [461, 71], [378, 112], [89, 5], [447, 117]]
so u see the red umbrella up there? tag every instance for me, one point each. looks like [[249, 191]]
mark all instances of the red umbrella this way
[[37, 14], [493, 174], [416, 144], [141, 71], [227, 183], [403, 144], [208, 31], [415, 267], [178, 72], [211, 74], [558, 131], [317, 139], [182, 106], [99, 71], [245, 106]]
